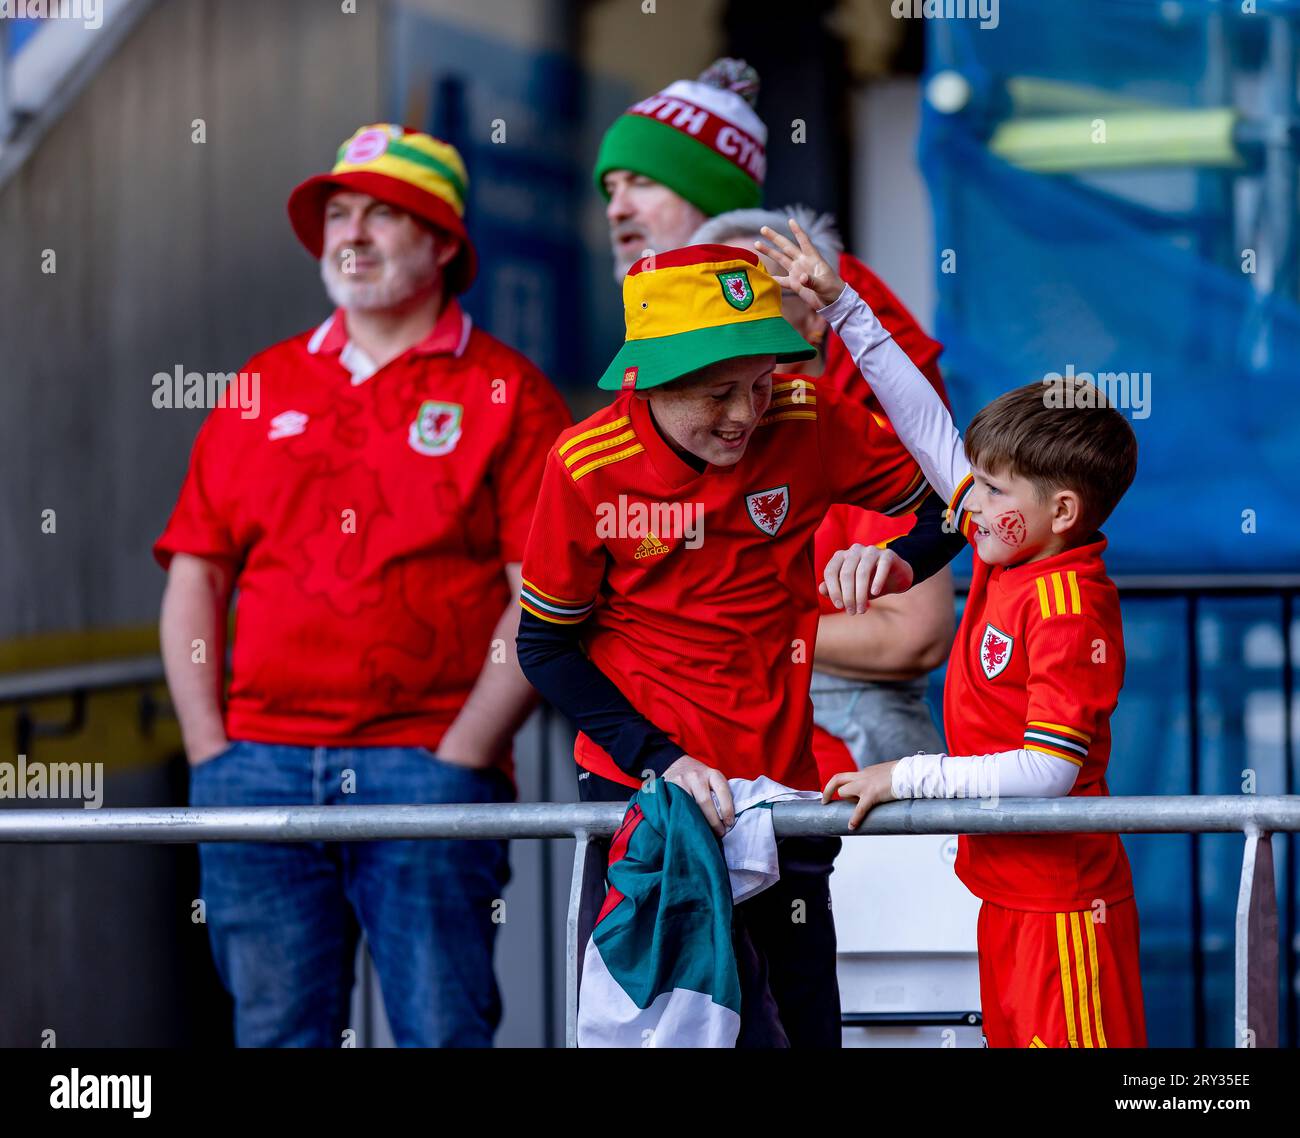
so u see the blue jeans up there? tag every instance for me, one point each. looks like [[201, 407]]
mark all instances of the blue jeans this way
[[283, 918]]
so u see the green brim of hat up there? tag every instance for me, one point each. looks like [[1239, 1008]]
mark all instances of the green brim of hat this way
[[662, 359], [688, 167]]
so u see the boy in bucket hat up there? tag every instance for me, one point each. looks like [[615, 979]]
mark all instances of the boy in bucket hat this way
[[685, 166], [669, 600], [373, 519]]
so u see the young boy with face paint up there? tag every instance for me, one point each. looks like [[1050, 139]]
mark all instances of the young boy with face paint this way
[[1033, 678], [693, 659]]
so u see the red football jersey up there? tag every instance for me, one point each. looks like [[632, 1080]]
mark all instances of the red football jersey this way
[[1038, 664], [369, 514], [700, 586]]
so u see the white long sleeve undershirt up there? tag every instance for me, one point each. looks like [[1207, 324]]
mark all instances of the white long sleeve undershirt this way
[[925, 427], [1006, 774], [914, 408]]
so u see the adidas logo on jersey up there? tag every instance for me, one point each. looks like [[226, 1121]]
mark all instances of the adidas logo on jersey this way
[[651, 546]]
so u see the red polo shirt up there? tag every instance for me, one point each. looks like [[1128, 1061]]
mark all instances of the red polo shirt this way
[[368, 514]]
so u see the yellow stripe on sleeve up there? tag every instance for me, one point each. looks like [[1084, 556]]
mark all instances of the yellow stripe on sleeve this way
[[549, 617], [591, 434], [1067, 988], [1046, 750], [596, 463], [1064, 730], [780, 415], [1075, 606], [959, 491], [599, 445], [1042, 598], [1059, 594], [795, 385]]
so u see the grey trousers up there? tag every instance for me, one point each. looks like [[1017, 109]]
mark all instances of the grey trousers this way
[[877, 721]]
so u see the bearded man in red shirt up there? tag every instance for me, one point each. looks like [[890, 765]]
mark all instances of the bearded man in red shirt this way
[[373, 519]]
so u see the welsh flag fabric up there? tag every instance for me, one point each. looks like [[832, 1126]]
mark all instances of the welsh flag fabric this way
[[659, 970]]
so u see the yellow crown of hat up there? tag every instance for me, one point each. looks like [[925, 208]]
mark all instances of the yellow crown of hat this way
[[406, 168], [695, 306], [409, 156]]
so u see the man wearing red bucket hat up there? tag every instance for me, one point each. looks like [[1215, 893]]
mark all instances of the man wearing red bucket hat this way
[[373, 519], [670, 606]]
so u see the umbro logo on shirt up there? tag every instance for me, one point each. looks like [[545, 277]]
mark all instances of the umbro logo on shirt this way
[[287, 423]]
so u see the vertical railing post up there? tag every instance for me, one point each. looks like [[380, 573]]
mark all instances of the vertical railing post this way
[[1194, 787], [1256, 994], [586, 895]]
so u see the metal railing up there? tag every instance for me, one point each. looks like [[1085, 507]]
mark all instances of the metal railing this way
[[592, 824], [30, 693]]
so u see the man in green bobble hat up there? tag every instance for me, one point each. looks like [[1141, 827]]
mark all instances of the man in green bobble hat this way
[[669, 162]]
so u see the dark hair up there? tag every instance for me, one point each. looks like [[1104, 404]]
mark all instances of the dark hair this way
[[1058, 440]]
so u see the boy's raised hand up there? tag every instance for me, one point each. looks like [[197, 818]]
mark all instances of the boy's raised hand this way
[[807, 274], [854, 577]]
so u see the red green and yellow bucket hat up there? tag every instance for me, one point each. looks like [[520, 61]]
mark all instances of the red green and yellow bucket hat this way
[[403, 167], [692, 307]]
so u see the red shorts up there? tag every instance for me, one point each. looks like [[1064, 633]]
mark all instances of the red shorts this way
[[1061, 979]]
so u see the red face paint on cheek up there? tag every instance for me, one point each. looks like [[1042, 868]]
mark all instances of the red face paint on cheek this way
[[1010, 528]]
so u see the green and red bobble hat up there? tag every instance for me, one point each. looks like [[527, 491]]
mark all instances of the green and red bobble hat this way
[[699, 137], [692, 307], [405, 168]]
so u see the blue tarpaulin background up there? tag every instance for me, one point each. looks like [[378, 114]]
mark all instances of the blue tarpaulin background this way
[[1136, 271], [1141, 270]]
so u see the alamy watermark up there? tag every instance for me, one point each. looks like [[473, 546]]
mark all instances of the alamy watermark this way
[[1124, 390], [89, 12], [77, 1091], [985, 11], [179, 388], [23, 780], [651, 523]]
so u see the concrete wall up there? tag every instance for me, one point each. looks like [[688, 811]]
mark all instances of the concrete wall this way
[[166, 252], [893, 220]]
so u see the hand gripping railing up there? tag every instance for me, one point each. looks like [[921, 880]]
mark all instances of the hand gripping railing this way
[[592, 824]]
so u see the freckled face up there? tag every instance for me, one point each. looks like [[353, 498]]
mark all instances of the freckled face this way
[[1011, 524], [712, 413]]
